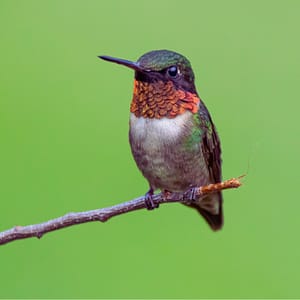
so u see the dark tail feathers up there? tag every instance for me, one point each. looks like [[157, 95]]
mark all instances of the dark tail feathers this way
[[211, 209]]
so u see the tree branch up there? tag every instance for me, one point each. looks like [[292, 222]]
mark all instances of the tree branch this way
[[103, 214]]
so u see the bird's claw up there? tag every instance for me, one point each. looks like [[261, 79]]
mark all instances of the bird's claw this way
[[189, 196], [150, 204]]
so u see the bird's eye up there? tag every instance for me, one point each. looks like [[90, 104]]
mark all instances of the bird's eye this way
[[173, 71]]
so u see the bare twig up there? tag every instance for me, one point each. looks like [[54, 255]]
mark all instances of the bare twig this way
[[103, 214]]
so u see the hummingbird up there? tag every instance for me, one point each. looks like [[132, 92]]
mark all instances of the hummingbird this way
[[172, 137]]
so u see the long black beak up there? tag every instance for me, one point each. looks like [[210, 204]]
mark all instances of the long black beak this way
[[130, 64]]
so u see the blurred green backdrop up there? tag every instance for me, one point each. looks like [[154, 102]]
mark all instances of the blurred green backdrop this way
[[64, 147]]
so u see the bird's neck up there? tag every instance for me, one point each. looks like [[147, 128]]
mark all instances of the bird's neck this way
[[161, 99]]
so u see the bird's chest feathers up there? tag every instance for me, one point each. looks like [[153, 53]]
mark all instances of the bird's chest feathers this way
[[155, 134], [164, 153]]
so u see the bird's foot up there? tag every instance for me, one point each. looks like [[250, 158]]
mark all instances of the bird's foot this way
[[150, 204], [190, 195]]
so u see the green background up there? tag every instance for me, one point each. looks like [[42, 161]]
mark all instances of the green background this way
[[64, 147]]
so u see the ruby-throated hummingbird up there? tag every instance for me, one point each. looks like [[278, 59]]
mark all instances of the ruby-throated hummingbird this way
[[172, 137]]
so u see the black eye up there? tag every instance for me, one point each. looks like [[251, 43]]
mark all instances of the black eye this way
[[173, 71]]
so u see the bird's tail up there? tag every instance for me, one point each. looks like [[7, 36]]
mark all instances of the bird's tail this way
[[211, 209]]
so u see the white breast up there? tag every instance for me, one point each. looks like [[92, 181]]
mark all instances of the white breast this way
[[159, 149], [155, 131]]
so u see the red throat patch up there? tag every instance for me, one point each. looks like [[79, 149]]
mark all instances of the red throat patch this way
[[161, 99]]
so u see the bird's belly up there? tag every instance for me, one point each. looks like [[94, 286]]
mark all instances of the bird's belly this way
[[161, 152]]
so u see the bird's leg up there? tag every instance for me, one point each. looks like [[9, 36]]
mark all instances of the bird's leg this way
[[149, 200]]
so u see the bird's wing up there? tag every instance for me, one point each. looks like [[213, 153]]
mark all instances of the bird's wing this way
[[210, 207], [211, 147]]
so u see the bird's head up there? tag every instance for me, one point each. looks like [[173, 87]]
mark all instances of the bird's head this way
[[164, 84]]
